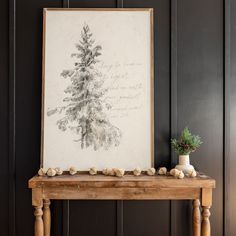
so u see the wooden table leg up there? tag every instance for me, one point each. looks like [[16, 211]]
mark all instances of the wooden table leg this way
[[206, 227], [46, 217], [196, 218], [37, 202], [38, 224], [206, 204]]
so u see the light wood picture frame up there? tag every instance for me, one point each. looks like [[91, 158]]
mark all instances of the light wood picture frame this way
[[97, 88]]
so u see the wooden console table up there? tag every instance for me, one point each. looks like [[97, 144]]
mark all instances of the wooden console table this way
[[99, 187]]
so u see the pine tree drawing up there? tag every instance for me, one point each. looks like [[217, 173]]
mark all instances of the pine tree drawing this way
[[85, 112]]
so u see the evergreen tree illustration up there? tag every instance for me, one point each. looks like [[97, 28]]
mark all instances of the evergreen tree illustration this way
[[85, 109]]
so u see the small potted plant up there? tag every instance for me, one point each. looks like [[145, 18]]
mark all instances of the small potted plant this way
[[183, 147]]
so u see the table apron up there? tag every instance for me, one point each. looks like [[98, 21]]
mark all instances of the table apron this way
[[123, 193]]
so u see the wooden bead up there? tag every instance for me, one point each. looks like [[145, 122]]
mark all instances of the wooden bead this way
[[72, 170], [180, 175], [41, 172], [109, 171], [93, 171], [162, 171], [58, 171], [137, 171], [51, 172], [174, 172], [151, 171], [119, 172]]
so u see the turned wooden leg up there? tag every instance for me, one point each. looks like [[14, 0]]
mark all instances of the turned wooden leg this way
[[46, 217], [206, 227], [38, 225], [196, 218], [206, 204]]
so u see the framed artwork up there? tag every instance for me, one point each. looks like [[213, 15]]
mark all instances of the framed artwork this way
[[97, 90]]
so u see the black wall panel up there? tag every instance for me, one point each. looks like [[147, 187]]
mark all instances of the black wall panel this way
[[195, 61], [101, 213], [28, 76], [200, 89]]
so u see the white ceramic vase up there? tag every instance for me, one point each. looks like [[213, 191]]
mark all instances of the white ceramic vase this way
[[184, 164]]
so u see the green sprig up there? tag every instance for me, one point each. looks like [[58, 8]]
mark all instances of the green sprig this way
[[187, 143]]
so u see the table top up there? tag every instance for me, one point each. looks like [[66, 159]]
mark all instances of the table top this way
[[129, 180]]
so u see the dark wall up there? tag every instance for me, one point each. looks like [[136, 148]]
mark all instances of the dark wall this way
[[195, 82]]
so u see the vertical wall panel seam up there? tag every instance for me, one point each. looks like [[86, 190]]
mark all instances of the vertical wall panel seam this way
[[226, 125], [11, 146], [119, 3], [173, 100], [66, 3], [119, 218], [66, 203]]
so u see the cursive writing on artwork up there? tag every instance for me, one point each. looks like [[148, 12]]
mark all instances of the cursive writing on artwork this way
[[125, 89]]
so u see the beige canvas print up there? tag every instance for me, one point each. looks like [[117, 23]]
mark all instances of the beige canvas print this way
[[97, 89]]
